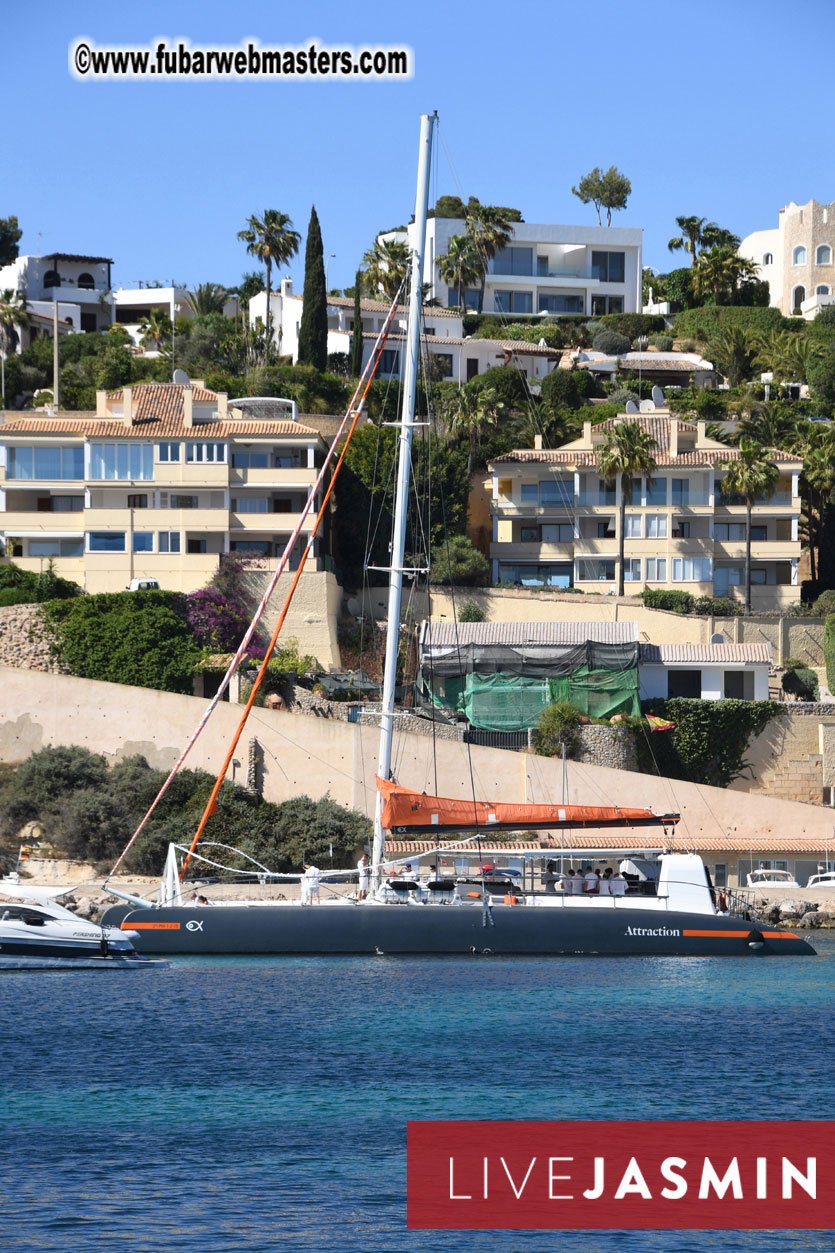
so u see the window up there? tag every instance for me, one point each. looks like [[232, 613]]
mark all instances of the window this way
[[250, 460], [52, 279], [169, 451], [554, 303], [556, 491], [529, 535], [121, 461], [739, 685], [759, 533], [730, 532], [251, 504], [798, 296], [443, 362], [505, 487], [513, 260], [56, 548], [183, 502], [691, 570], [206, 452], [471, 295], [390, 361], [138, 502], [195, 546], [66, 504], [86, 282], [589, 571], [656, 491], [606, 530], [607, 491], [681, 530], [106, 541], [513, 302], [282, 505], [72, 547], [759, 575], [822, 290], [656, 569], [557, 533], [143, 541], [556, 574], [530, 493], [799, 255], [632, 569], [657, 526], [684, 683], [608, 267], [168, 541], [768, 259], [720, 874], [681, 491], [823, 256], [633, 526], [601, 305], [29, 462]]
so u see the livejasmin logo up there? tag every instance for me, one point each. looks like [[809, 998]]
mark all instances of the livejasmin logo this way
[[620, 1175]]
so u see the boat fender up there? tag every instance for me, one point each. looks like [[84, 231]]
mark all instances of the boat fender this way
[[755, 940], [103, 945]]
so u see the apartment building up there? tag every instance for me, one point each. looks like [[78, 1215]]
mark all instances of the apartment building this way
[[158, 483], [80, 285], [589, 270], [797, 258], [555, 520]]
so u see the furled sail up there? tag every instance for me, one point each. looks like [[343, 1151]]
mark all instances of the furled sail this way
[[416, 811]]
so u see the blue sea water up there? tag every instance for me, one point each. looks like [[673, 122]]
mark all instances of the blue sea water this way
[[257, 1104]]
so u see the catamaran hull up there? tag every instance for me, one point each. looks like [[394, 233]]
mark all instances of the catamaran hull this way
[[507, 930]]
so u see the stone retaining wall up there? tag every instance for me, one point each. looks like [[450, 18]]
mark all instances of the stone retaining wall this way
[[607, 746], [25, 642]]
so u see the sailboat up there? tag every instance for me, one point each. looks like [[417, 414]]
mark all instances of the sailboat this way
[[669, 910]]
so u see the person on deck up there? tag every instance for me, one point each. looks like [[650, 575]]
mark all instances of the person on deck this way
[[591, 881], [575, 882], [362, 867], [604, 888], [310, 884], [551, 878], [618, 884]]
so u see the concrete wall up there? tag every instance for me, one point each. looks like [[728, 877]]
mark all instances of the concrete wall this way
[[794, 756], [304, 755], [313, 615]]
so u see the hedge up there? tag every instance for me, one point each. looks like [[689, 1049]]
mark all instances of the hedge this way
[[829, 650], [705, 322], [633, 324], [709, 739]]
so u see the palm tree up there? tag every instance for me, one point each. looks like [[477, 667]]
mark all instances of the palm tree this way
[[714, 236], [733, 353], [691, 236], [489, 229], [156, 330], [719, 273], [387, 264], [13, 318], [626, 451], [751, 475], [469, 412], [815, 444], [207, 298], [460, 267], [270, 238]]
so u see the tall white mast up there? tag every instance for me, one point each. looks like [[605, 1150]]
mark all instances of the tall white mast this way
[[406, 427]]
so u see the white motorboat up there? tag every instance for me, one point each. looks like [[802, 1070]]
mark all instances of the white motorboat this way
[[766, 879], [36, 933], [825, 879]]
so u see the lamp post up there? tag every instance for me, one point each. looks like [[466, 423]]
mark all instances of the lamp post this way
[[327, 263]]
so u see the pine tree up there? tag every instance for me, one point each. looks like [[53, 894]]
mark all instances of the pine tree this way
[[313, 332], [356, 334]]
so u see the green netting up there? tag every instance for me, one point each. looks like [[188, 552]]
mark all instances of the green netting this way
[[510, 702]]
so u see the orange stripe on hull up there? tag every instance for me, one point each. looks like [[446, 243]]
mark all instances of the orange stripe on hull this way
[[780, 935], [149, 926], [720, 935]]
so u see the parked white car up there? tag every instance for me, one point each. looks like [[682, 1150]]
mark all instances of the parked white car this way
[[824, 880], [143, 585], [763, 878]]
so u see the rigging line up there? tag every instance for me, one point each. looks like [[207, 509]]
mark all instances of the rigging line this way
[[211, 806], [369, 371]]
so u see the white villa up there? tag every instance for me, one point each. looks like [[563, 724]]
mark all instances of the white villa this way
[[797, 258]]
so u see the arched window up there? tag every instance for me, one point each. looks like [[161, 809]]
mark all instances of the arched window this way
[[823, 256], [87, 282], [68, 321], [823, 290], [768, 259], [798, 296], [52, 279]]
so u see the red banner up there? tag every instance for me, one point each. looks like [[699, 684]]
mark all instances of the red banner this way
[[619, 1175]]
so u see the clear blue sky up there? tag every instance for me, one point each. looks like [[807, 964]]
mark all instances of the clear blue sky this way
[[722, 109]]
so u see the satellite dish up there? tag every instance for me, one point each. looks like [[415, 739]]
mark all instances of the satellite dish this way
[[647, 406], [658, 396], [182, 378], [631, 407]]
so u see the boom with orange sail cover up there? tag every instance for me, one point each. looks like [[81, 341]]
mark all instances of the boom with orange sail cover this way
[[417, 812]]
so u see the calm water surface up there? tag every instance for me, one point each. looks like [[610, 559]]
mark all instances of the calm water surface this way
[[262, 1103]]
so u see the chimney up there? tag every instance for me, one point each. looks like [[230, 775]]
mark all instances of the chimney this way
[[587, 440], [101, 404], [673, 437], [127, 406], [286, 287], [700, 431], [188, 407], [222, 406], [537, 442]]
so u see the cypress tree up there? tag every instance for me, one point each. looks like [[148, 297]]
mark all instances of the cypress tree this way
[[356, 334], [313, 332]]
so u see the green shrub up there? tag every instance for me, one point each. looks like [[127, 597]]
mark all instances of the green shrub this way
[[622, 396], [471, 612], [15, 596], [662, 598], [802, 683], [718, 607], [567, 389], [458, 562], [23, 587], [557, 726], [825, 603], [632, 325], [663, 343], [710, 320], [612, 343], [687, 345], [794, 663], [829, 650], [708, 741]]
